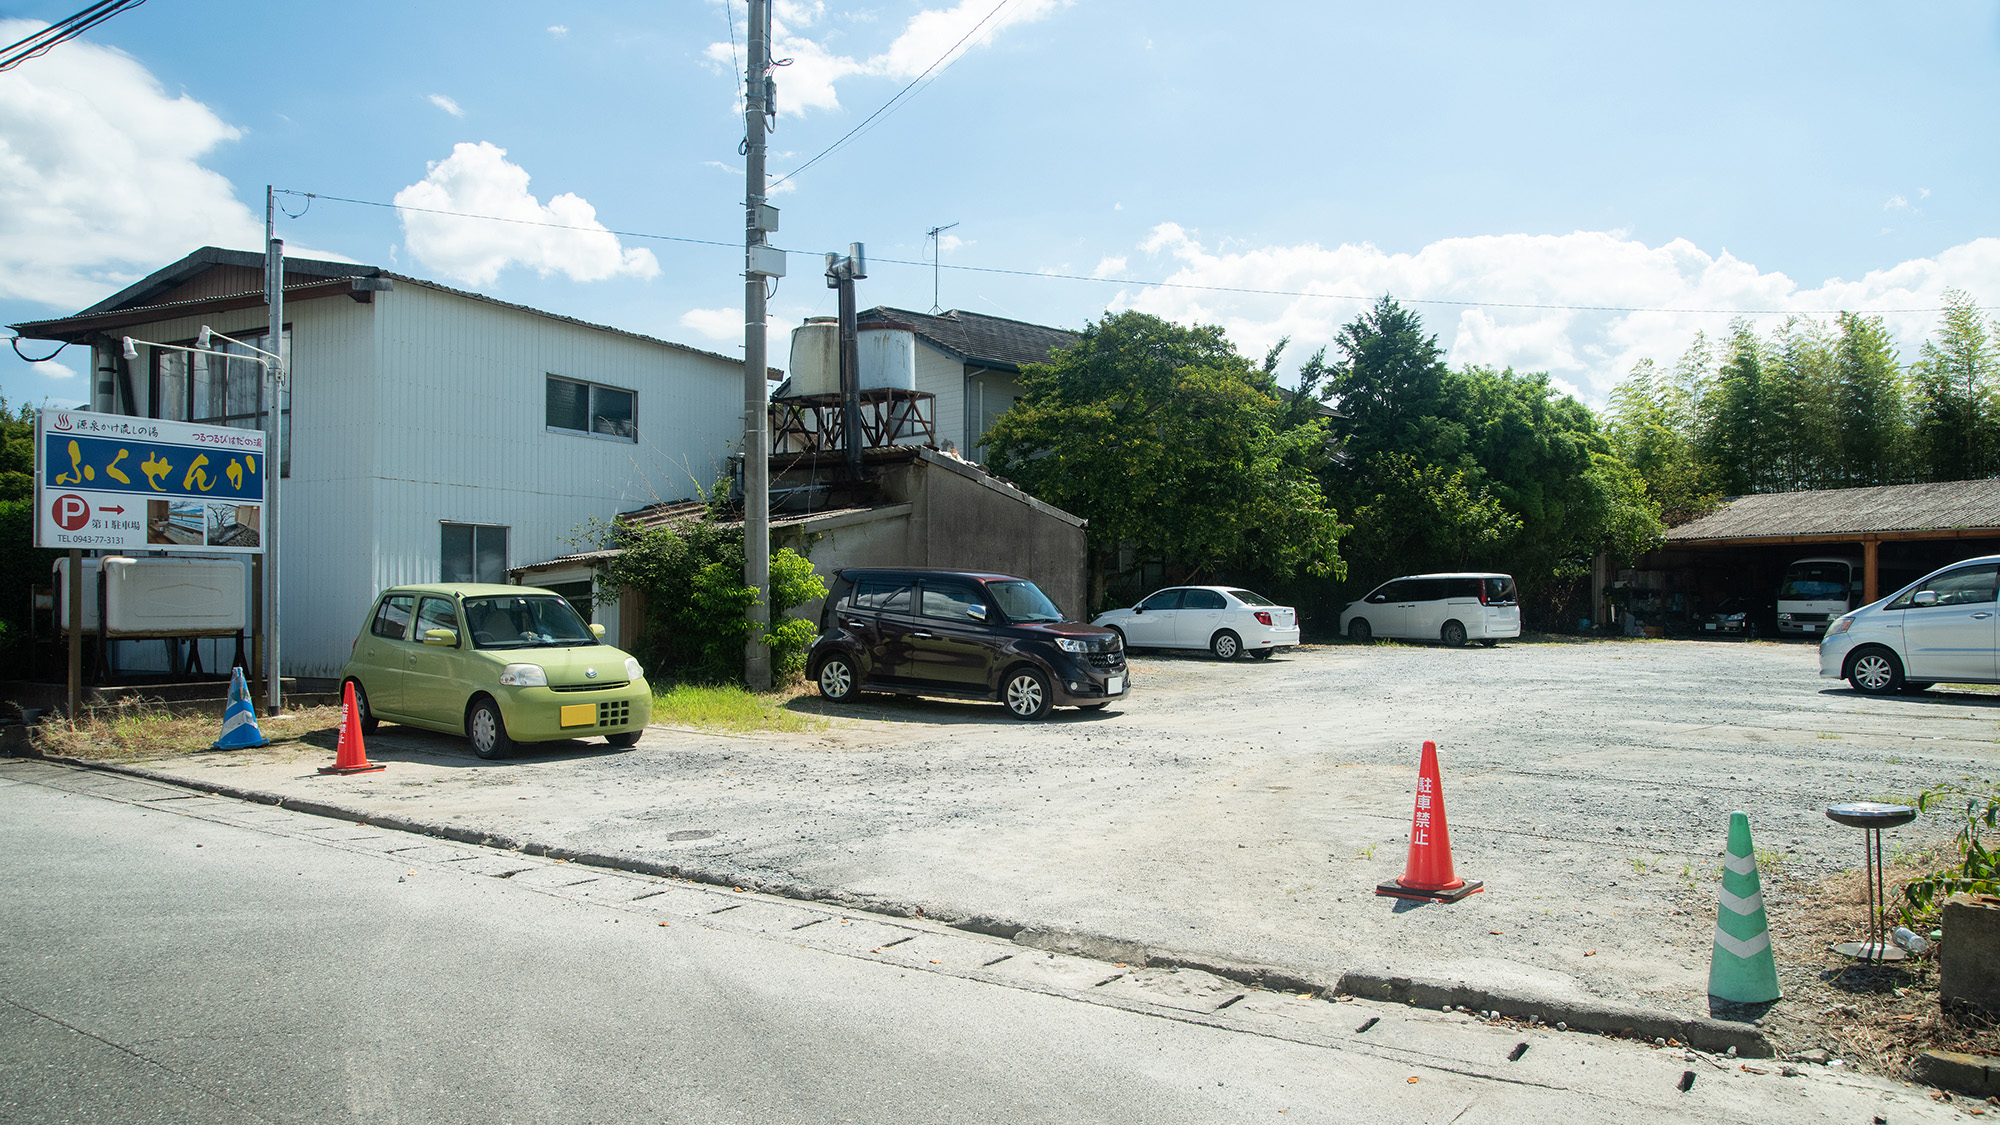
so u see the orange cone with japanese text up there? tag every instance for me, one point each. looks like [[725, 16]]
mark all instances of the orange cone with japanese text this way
[[350, 756], [1428, 874]]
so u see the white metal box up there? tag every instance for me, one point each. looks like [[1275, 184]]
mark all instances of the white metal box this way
[[160, 597]]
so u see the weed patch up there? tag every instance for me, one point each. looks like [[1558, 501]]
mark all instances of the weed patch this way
[[135, 728], [728, 707]]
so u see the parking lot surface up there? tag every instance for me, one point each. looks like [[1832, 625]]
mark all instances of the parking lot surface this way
[[1246, 811]]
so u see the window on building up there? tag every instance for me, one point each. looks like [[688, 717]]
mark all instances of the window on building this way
[[473, 553], [577, 594], [214, 391], [576, 407]]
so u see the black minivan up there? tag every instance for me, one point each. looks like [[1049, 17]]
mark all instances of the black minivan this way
[[963, 634]]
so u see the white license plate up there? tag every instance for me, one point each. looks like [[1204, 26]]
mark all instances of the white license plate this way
[[1710, 625], [1114, 685]]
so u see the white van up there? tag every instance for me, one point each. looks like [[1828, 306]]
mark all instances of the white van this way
[[1814, 591], [1453, 608]]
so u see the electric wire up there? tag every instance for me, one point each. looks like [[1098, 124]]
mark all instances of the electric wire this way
[[16, 341], [892, 102], [1144, 283], [63, 30]]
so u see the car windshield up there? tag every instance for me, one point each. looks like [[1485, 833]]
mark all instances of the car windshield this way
[[1023, 601], [1814, 582], [525, 621], [1248, 598]]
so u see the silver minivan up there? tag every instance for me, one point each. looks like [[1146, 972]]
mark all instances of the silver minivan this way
[[1453, 608], [1939, 629]]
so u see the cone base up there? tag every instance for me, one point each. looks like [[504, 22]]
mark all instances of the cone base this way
[[352, 769], [239, 745], [1395, 889]]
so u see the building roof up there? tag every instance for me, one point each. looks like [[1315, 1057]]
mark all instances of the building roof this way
[[975, 338], [1881, 509], [138, 303]]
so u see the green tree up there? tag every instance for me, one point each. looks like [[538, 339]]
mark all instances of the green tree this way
[[1429, 512], [1732, 415], [1172, 445], [1870, 416], [690, 578], [1801, 440], [1390, 388], [1649, 427], [1952, 396], [23, 566]]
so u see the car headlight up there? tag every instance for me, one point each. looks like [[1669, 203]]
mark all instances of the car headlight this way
[[632, 669], [1840, 626], [524, 675], [1784, 617]]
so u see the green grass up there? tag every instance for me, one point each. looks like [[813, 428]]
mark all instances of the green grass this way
[[727, 707]]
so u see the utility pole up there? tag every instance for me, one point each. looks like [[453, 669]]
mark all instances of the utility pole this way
[[760, 260], [274, 435], [841, 274], [937, 262]]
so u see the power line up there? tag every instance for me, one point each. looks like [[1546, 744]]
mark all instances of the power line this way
[[39, 43], [1133, 281], [886, 106]]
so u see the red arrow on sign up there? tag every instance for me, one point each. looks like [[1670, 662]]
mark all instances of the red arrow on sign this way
[[120, 511]]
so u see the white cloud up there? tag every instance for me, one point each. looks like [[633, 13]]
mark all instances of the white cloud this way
[[949, 242], [716, 324], [809, 81], [100, 175], [478, 179], [1109, 267], [447, 104], [51, 369], [1896, 203], [1582, 347], [558, 30]]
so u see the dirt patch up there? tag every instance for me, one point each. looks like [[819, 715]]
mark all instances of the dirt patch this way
[[1876, 1017]]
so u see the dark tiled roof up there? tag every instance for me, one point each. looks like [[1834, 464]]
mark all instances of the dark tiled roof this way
[[1842, 511], [975, 338]]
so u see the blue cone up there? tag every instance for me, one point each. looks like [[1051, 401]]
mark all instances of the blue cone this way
[[239, 718]]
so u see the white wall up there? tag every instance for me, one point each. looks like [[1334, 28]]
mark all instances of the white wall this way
[[944, 376]]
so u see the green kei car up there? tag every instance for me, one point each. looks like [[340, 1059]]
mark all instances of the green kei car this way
[[498, 664]]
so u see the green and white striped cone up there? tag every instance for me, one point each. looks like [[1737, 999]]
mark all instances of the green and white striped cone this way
[[1743, 970]]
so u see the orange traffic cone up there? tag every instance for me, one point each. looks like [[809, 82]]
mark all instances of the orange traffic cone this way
[[350, 756], [1428, 875]]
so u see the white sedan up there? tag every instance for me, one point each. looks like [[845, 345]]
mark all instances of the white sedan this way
[[1222, 619]]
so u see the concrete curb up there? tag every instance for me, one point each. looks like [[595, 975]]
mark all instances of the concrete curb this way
[[1976, 1075], [1703, 1034]]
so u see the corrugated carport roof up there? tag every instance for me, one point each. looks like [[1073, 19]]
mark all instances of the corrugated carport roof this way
[[1943, 509]]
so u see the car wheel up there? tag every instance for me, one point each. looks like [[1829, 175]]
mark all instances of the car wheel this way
[[1226, 645], [486, 730], [1262, 653], [1452, 634], [624, 740], [1358, 631], [1026, 694], [837, 679], [1875, 671], [367, 718]]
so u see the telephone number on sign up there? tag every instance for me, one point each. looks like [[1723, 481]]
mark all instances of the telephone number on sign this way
[[90, 540]]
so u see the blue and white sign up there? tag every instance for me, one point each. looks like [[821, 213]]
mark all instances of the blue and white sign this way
[[112, 482]]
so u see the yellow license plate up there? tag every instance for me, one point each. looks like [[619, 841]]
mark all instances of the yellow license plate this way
[[579, 714]]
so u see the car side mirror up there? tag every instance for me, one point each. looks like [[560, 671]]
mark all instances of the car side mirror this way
[[1377, 599], [1138, 609], [596, 630], [447, 638], [976, 612], [1924, 597]]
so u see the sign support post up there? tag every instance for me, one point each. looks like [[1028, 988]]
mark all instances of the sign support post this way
[[75, 634]]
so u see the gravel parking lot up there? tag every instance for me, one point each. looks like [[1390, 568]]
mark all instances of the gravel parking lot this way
[[1246, 811]]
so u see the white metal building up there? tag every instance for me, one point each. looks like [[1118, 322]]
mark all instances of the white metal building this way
[[433, 434]]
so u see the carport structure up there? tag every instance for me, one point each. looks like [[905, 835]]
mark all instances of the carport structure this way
[[1901, 530]]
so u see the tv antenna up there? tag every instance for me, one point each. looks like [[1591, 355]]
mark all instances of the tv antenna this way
[[937, 262]]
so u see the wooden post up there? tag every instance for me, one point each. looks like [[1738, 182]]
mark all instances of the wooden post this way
[[1870, 589]]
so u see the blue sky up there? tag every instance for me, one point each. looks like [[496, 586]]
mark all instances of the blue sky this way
[[1468, 158]]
